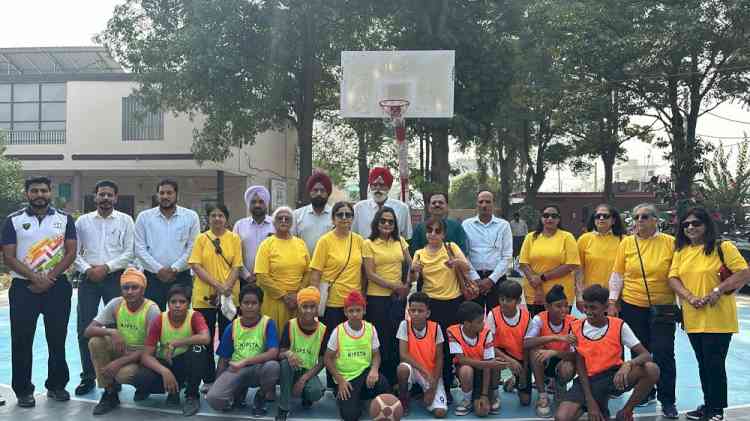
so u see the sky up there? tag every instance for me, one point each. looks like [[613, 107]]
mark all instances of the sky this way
[[56, 23]]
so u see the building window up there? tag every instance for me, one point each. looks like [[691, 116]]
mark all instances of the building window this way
[[33, 113], [140, 124]]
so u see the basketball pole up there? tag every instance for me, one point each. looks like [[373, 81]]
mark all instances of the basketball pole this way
[[403, 164]]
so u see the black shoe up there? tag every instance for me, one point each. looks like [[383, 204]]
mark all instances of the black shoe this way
[[173, 399], [259, 404], [60, 395], [85, 387], [140, 395], [696, 414], [307, 404], [191, 406], [670, 412], [108, 402], [281, 415], [26, 401]]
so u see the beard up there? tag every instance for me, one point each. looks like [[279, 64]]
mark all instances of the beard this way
[[258, 212], [39, 202], [379, 196], [319, 202]]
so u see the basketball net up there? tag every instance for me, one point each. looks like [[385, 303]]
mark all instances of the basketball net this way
[[395, 109]]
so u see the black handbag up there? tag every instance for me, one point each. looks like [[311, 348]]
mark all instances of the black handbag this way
[[659, 313]]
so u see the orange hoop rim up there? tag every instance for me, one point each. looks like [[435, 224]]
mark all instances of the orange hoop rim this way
[[395, 108]]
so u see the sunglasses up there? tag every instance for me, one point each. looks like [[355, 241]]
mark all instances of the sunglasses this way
[[385, 221], [602, 216], [345, 215], [431, 230], [695, 223], [550, 216], [643, 217]]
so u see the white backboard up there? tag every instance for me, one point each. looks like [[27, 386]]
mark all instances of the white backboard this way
[[424, 78]]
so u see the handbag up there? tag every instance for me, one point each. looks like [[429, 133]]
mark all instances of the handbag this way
[[469, 289], [324, 286], [659, 313]]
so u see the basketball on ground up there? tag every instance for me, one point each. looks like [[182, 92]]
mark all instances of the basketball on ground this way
[[386, 407]]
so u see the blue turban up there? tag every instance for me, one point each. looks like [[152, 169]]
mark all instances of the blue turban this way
[[261, 192]]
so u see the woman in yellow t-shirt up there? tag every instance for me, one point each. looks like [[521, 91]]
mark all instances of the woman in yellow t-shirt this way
[[337, 260], [598, 248], [385, 253], [440, 283], [216, 260], [710, 310], [654, 250], [549, 255], [280, 267]]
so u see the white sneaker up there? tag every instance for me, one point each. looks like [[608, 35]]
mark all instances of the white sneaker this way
[[205, 387], [463, 408]]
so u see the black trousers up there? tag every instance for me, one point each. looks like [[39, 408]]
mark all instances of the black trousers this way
[[445, 313], [25, 308], [517, 243], [658, 338], [386, 314], [332, 317], [711, 352], [89, 295], [212, 315], [156, 290], [491, 299], [351, 409], [188, 369]]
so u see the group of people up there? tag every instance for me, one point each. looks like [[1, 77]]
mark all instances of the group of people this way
[[333, 287]]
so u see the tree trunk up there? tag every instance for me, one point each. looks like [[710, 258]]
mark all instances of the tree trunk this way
[[609, 194], [362, 162], [305, 128], [440, 161], [506, 175]]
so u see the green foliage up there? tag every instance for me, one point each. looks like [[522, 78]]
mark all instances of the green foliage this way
[[464, 190], [724, 188], [11, 182]]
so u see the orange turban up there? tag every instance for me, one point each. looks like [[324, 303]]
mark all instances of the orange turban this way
[[309, 294], [355, 298], [133, 276]]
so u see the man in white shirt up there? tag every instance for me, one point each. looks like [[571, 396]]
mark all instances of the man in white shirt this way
[[254, 229], [490, 244], [164, 237], [380, 181], [105, 249], [315, 219]]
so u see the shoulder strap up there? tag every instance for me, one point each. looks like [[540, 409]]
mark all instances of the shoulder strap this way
[[348, 256], [643, 270], [720, 252]]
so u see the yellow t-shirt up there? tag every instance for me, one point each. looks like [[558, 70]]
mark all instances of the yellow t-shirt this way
[[205, 255], [281, 264], [700, 274], [329, 258], [597, 253], [388, 257], [440, 282], [543, 254], [656, 253]]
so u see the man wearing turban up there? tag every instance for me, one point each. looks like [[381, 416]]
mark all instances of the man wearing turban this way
[[380, 181], [254, 228], [315, 219]]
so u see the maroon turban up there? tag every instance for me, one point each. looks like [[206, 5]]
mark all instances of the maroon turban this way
[[378, 172], [322, 178]]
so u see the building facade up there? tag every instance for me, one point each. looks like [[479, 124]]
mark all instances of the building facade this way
[[69, 113]]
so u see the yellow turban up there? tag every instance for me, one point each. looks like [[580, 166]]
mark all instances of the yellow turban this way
[[133, 276], [306, 295]]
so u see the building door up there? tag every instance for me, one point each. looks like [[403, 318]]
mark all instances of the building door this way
[[125, 204]]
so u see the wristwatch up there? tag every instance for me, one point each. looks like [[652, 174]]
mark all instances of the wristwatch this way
[[716, 290], [543, 278]]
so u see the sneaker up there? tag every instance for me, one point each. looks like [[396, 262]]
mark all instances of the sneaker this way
[[543, 409], [697, 414], [84, 387], [108, 402], [140, 395], [670, 412], [26, 401], [205, 387], [495, 406], [281, 415], [259, 404], [191, 406], [714, 417], [463, 408], [173, 399], [60, 395]]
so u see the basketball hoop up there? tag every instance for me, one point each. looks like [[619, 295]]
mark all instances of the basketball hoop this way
[[395, 109]]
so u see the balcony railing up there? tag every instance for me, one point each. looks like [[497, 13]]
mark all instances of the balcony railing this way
[[35, 137]]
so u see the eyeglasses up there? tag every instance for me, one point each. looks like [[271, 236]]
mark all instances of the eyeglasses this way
[[345, 215], [283, 218], [385, 221], [695, 223], [643, 217], [550, 216], [431, 230], [602, 216]]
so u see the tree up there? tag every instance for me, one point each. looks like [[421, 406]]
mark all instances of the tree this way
[[464, 189], [694, 56], [248, 66], [11, 181], [724, 189]]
